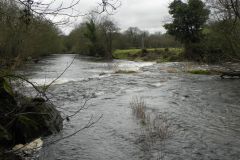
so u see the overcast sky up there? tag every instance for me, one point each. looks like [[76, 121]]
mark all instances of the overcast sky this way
[[146, 14]]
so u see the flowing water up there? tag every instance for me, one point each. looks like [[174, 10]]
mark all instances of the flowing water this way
[[203, 110]]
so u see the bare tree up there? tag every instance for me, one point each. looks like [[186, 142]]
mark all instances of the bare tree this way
[[133, 34], [108, 28], [226, 14], [225, 9], [65, 9]]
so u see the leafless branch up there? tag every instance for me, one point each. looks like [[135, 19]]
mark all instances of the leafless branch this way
[[14, 76], [108, 6], [90, 124], [65, 10], [60, 75], [80, 109]]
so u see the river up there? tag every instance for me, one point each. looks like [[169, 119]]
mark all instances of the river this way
[[203, 111]]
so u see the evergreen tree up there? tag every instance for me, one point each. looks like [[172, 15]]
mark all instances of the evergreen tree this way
[[188, 21]]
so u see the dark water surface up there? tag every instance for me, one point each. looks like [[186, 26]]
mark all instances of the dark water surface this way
[[204, 111]]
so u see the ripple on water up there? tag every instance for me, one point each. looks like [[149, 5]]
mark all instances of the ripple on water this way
[[203, 111]]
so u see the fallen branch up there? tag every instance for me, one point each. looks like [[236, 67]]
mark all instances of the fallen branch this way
[[230, 74]]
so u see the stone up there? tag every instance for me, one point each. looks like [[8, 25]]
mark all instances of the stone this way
[[23, 119], [29, 147], [44, 115]]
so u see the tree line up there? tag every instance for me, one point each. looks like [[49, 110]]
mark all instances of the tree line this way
[[23, 36], [100, 36], [209, 31]]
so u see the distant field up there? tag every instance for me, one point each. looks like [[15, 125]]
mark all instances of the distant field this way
[[150, 54]]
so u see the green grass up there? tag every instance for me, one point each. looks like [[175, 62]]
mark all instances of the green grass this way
[[126, 53], [204, 72], [124, 72], [152, 54]]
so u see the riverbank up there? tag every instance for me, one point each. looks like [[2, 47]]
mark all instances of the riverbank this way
[[22, 118], [161, 55], [157, 54]]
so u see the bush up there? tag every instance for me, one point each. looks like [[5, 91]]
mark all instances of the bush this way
[[144, 51], [166, 49], [219, 44]]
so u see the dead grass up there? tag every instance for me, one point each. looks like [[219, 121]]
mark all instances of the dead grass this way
[[138, 106], [155, 126], [154, 130], [159, 127]]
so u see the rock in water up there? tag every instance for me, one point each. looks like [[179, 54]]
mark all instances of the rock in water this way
[[29, 147], [230, 74], [23, 119], [44, 120]]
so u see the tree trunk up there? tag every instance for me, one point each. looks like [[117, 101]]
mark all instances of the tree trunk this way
[[188, 51]]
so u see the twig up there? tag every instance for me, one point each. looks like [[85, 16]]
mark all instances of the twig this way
[[81, 108], [88, 125], [47, 86]]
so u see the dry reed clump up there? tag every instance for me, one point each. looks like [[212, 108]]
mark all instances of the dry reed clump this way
[[155, 125], [158, 127], [154, 130], [138, 106]]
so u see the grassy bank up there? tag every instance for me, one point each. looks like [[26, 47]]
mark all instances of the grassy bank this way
[[150, 54]]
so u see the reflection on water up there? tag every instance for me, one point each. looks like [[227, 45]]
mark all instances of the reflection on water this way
[[203, 110]]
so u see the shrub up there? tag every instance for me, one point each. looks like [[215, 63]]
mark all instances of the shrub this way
[[166, 49]]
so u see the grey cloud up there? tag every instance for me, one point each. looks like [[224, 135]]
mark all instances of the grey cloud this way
[[145, 14]]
